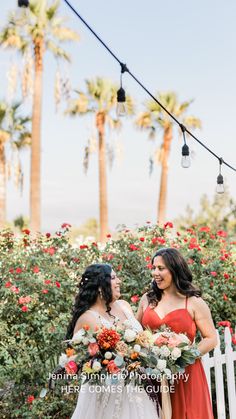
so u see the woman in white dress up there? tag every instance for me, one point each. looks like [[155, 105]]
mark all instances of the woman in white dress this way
[[97, 304]]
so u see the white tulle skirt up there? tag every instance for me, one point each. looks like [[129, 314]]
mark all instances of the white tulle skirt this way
[[114, 402]]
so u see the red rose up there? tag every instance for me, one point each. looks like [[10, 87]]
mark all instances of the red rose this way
[[8, 284], [108, 236], [18, 270], [168, 224], [58, 285], [24, 308], [135, 298], [213, 273], [48, 235], [222, 233], [83, 246], [205, 229], [224, 323], [26, 231], [132, 247], [30, 399], [65, 225], [47, 281], [142, 239], [45, 291], [36, 269], [225, 297], [51, 251]]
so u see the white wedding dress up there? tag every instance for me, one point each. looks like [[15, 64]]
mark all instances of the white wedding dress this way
[[126, 404]]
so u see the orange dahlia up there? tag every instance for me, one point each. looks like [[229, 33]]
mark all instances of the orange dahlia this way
[[108, 338]]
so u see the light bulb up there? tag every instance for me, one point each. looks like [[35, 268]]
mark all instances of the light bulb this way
[[121, 107], [185, 161], [220, 184]]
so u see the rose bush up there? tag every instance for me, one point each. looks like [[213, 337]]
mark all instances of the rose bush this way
[[38, 284]]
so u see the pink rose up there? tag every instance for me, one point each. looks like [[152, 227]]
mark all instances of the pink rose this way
[[93, 348], [161, 340], [71, 367], [174, 341], [112, 367]]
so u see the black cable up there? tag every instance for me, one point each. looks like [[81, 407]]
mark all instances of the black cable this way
[[125, 69]]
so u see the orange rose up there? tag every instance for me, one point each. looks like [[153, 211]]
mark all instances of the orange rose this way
[[70, 352]]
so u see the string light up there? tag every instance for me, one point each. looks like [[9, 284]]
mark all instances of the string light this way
[[220, 179], [121, 97], [222, 161], [185, 161]]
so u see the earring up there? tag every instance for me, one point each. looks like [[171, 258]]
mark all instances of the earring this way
[[100, 294]]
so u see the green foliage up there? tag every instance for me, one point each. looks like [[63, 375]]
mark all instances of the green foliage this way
[[39, 277], [219, 213]]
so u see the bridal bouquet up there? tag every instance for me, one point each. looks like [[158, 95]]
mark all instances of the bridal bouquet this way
[[106, 355]]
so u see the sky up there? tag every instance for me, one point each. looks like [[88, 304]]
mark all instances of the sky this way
[[185, 47]]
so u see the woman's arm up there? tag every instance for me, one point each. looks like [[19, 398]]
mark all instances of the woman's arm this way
[[205, 325], [142, 307]]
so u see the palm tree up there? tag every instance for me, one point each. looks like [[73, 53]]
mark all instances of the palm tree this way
[[155, 117], [37, 28], [100, 97], [13, 130]]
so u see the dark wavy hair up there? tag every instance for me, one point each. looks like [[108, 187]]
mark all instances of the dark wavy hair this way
[[181, 275], [96, 279]]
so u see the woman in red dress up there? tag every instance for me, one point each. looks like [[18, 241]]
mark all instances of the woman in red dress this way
[[173, 301]]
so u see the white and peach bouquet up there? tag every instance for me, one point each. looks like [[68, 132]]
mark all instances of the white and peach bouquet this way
[[174, 351]]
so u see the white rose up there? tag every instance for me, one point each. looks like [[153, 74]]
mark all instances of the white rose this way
[[85, 341], [97, 366], [78, 336], [63, 360], [156, 350], [108, 355], [164, 351], [184, 338], [176, 353], [161, 364], [168, 373], [137, 348], [130, 335]]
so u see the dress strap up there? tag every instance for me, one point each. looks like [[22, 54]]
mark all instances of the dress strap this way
[[186, 302]]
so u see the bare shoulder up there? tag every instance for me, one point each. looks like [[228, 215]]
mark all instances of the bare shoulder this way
[[198, 304], [125, 304], [86, 318]]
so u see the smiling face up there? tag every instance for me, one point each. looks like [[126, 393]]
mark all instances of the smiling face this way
[[115, 286], [161, 274]]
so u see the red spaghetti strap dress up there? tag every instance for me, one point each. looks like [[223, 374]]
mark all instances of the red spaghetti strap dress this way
[[191, 399]]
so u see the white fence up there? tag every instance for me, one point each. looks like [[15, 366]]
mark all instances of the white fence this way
[[216, 362]]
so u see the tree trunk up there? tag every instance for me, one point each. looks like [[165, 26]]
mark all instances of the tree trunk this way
[[2, 186], [103, 208], [35, 180], [164, 175]]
